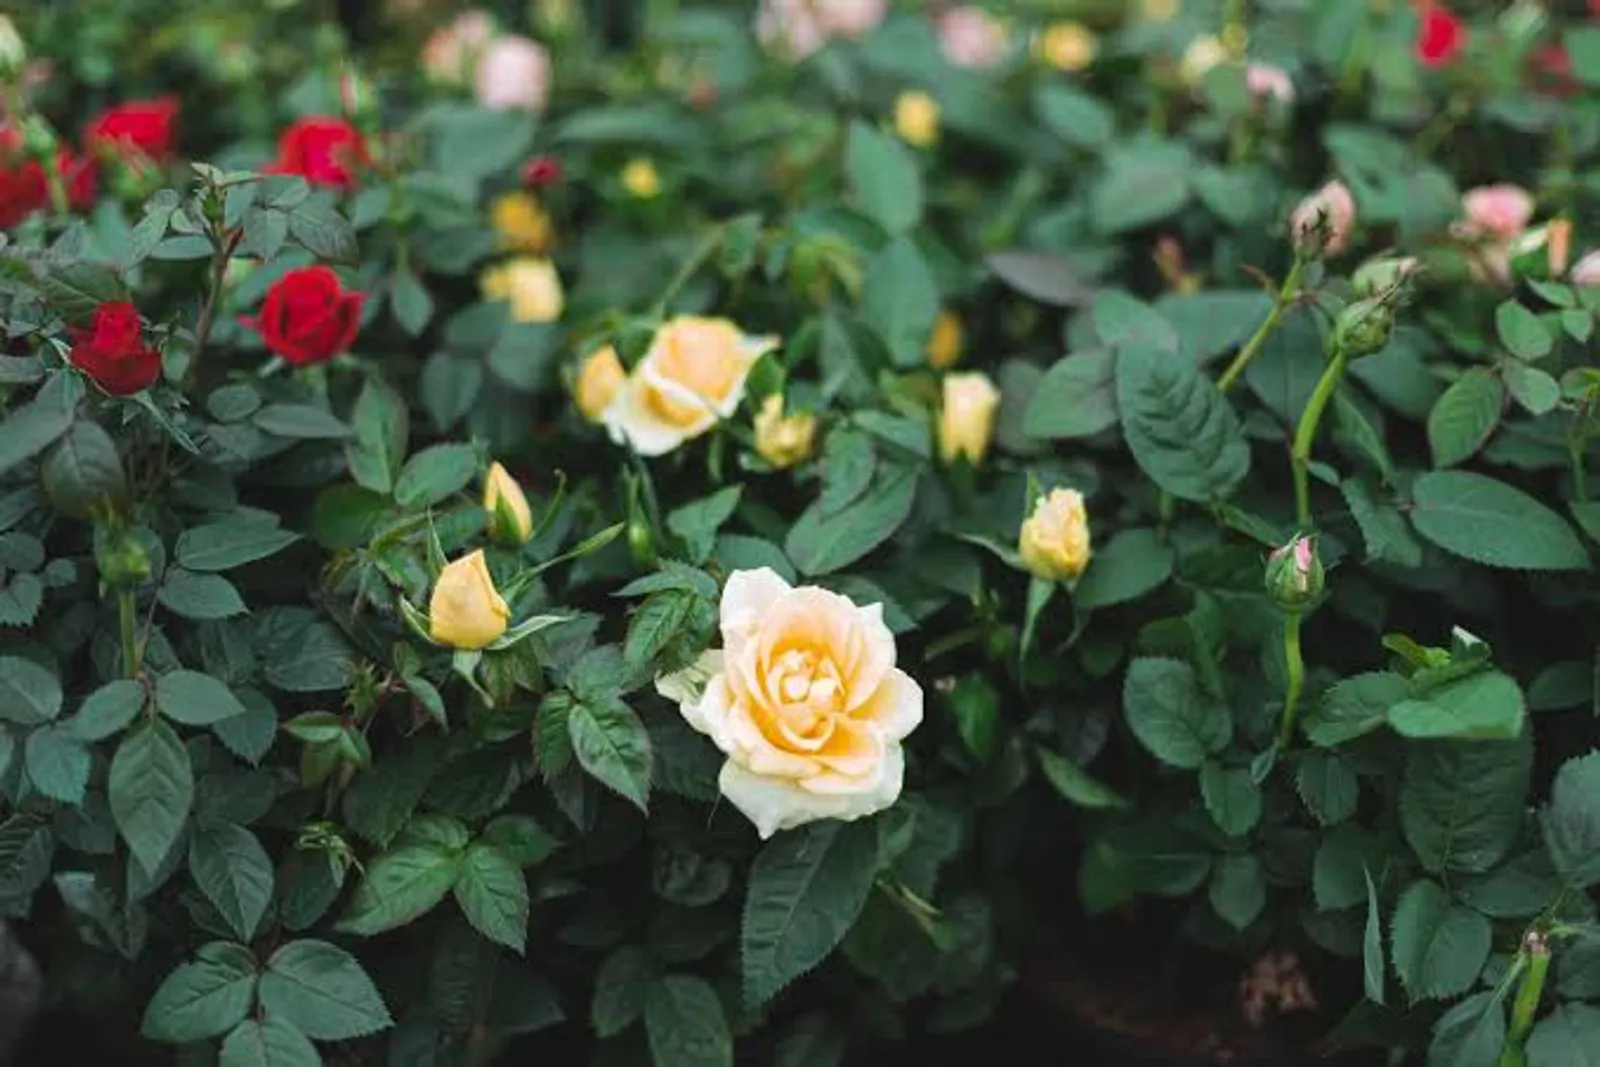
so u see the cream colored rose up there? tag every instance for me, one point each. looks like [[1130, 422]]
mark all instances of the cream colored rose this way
[[531, 285], [1054, 542], [692, 377], [599, 379], [966, 422], [805, 700]]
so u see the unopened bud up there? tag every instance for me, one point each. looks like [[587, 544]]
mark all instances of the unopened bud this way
[[1294, 573], [1363, 327], [1376, 277], [39, 140], [1321, 224], [120, 558]]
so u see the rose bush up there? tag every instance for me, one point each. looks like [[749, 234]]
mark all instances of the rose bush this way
[[773, 527]]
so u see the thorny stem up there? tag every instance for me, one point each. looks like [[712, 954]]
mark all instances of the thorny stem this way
[[126, 617], [1536, 950], [1286, 296], [1306, 433], [219, 269], [1295, 669]]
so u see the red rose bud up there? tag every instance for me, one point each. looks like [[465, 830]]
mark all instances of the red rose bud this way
[[112, 351], [308, 316], [23, 186], [322, 150], [541, 170], [1441, 36], [144, 127]]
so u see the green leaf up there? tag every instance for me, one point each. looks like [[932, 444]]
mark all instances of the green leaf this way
[[1483, 706], [220, 546], [323, 232], [434, 474], [900, 301], [30, 429], [525, 355], [1536, 391], [382, 426], [412, 304], [1568, 1037], [1388, 537], [1464, 416], [883, 178], [321, 990], [150, 787], [199, 596], [234, 872], [1453, 827], [83, 472], [78, 288], [1339, 868], [698, 521], [1232, 797], [684, 1023], [1132, 563], [977, 713], [1372, 946], [1521, 331], [205, 998], [612, 744], [1492, 523], [1583, 49], [381, 801], [1049, 279], [29, 693], [655, 623], [1076, 397], [1178, 425], [619, 991], [1327, 785], [494, 896], [806, 889], [1355, 706], [58, 764], [401, 887], [1076, 784], [1238, 889], [195, 699], [1143, 182], [299, 422], [520, 839], [108, 710], [1439, 947], [1169, 715], [1471, 1034], [272, 1043], [1077, 117], [1571, 822], [821, 543]]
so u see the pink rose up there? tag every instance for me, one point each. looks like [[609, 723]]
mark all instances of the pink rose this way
[[1498, 211], [1322, 222], [514, 73], [451, 52], [971, 37], [1586, 271], [802, 27], [1265, 80]]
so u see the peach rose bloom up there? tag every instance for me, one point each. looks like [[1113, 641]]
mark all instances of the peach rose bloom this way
[[804, 699], [1054, 543], [800, 28], [452, 51], [971, 37], [1500, 211], [600, 378], [1586, 271], [514, 73], [692, 377], [1332, 203]]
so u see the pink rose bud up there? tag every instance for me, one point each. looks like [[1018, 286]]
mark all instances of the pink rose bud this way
[[971, 37], [1294, 573], [1267, 81], [1500, 211], [1321, 225], [514, 73], [1586, 271]]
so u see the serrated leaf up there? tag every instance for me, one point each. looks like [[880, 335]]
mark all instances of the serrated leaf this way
[[1521, 331], [1134, 562], [1568, 1037], [1077, 397], [1471, 1034], [493, 895], [204, 998], [1388, 538], [322, 991], [1452, 828], [220, 546], [613, 746], [1231, 796], [821, 543], [323, 232], [1164, 707], [619, 991], [199, 596], [1076, 784], [234, 872], [1571, 822], [400, 887], [685, 1024], [1490, 522], [1238, 889], [1178, 425], [29, 693], [382, 425], [1464, 416], [58, 764], [1485, 705], [1327, 786], [1439, 947], [269, 1043], [195, 699], [150, 788], [434, 474], [883, 178], [108, 710]]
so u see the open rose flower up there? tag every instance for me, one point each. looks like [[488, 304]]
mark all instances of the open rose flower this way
[[801, 27], [308, 316], [692, 377], [1496, 215], [1441, 35], [24, 188], [144, 127], [323, 150], [805, 701], [113, 352], [1267, 82], [514, 73], [971, 37]]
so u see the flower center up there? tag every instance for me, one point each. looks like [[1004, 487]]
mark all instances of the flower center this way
[[808, 685]]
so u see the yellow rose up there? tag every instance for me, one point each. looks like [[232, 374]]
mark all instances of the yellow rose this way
[[944, 344], [531, 285], [1067, 46], [784, 440], [692, 377], [466, 610], [1054, 543], [1202, 54], [521, 223], [599, 380], [805, 700], [966, 422], [510, 518], [639, 177], [916, 118]]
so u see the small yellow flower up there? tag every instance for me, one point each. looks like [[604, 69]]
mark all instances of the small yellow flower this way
[[944, 344], [466, 610], [521, 223], [510, 518], [1202, 54], [916, 118], [1054, 543], [639, 177], [784, 440], [599, 380], [1159, 10], [966, 422], [1067, 46], [531, 285]]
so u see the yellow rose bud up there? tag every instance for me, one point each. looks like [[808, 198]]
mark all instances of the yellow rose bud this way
[[944, 344], [466, 610], [599, 380], [521, 223], [532, 287], [1054, 543], [966, 423], [639, 177], [510, 518], [916, 118], [1067, 46], [784, 440]]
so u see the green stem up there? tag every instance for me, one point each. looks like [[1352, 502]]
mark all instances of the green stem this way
[[708, 245], [127, 617], [1286, 296], [1295, 668], [1306, 433], [1537, 952], [1580, 477]]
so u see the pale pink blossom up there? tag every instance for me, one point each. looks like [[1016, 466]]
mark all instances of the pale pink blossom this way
[[1322, 222], [514, 73], [802, 27], [971, 37], [1500, 211], [1265, 80], [452, 51], [1586, 271]]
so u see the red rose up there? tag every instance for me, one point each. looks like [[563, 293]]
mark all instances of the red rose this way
[[112, 350], [23, 189], [322, 150], [541, 170], [308, 316], [1440, 37], [142, 125]]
